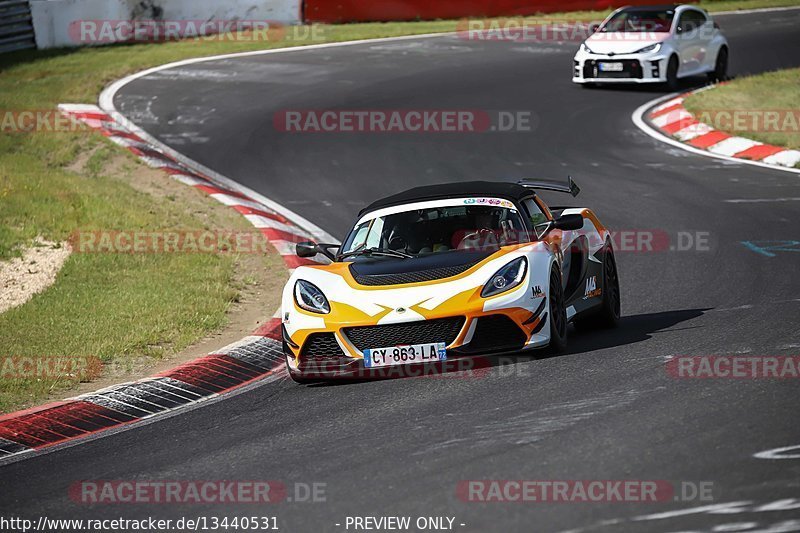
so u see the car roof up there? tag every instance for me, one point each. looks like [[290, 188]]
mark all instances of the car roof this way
[[662, 7], [497, 189]]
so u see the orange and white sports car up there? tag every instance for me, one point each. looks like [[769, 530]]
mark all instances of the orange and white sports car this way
[[448, 271]]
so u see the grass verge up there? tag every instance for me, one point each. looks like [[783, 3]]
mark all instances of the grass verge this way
[[764, 108], [125, 308]]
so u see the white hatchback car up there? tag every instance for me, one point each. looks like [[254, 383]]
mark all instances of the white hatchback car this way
[[652, 44]]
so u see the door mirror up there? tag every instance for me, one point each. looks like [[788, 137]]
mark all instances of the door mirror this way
[[309, 249], [569, 222], [306, 249], [593, 28]]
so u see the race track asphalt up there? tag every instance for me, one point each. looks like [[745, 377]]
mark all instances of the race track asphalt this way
[[606, 409]]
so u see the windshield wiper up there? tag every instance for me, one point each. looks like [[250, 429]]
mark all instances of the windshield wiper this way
[[384, 252]]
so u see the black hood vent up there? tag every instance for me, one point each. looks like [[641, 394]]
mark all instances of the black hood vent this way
[[377, 272]]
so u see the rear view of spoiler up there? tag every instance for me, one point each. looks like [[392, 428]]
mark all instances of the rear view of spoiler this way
[[569, 187]]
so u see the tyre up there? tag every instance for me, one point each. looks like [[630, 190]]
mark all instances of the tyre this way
[[610, 308], [558, 315], [672, 73], [608, 313], [720, 72]]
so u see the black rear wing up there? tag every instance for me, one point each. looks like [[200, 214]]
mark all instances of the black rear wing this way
[[569, 187]]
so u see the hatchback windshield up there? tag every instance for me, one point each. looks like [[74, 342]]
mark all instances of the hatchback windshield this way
[[442, 226], [637, 21]]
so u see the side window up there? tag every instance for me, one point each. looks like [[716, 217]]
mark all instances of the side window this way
[[534, 212], [691, 20]]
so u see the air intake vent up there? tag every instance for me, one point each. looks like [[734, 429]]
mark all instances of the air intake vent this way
[[322, 345], [424, 331], [496, 333], [419, 276]]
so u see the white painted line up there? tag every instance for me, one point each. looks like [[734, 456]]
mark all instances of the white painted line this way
[[787, 158], [750, 11], [776, 453], [733, 145], [638, 119], [759, 200]]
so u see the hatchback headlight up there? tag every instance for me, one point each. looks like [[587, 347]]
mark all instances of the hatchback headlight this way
[[586, 49], [506, 278], [309, 297], [652, 48]]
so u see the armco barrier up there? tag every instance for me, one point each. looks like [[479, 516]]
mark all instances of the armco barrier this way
[[332, 11]]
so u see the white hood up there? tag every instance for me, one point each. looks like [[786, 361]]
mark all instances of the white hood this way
[[623, 42]]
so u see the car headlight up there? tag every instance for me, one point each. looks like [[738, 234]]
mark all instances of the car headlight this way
[[309, 297], [586, 48], [506, 278], [652, 48]]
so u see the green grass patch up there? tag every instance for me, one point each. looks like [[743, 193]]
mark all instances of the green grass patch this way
[[773, 95]]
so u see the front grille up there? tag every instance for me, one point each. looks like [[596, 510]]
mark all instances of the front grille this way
[[424, 331], [419, 276], [631, 69], [321, 345], [496, 333]]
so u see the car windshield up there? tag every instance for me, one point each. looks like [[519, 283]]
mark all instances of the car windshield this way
[[638, 21], [467, 224]]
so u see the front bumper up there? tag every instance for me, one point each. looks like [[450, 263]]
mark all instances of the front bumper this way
[[338, 352], [637, 68]]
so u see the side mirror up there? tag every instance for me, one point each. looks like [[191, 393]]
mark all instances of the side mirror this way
[[679, 30], [306, 249], [309, 249], [593, 28], [569, 222]]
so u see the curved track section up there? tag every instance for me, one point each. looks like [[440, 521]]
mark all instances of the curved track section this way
[[607, 409]]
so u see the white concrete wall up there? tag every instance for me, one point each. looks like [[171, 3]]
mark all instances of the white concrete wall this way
[[52, 19]]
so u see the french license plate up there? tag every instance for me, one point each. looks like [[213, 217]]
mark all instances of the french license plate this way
[[611, 67], [405, 355]]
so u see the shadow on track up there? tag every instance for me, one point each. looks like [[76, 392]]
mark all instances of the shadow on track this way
[[631, 329]]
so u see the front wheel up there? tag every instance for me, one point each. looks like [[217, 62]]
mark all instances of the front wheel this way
[[610, 309], [672, 73], [558, 315], [720, 72], [608, 312]]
